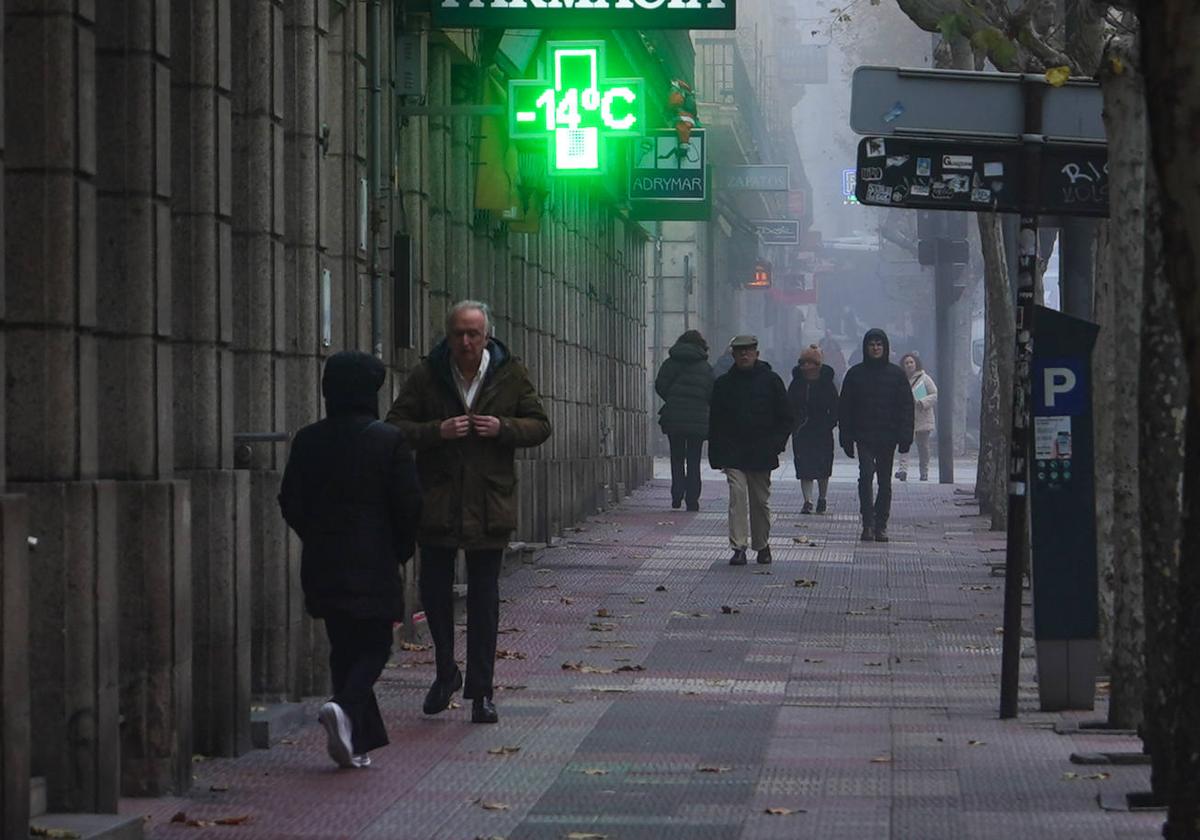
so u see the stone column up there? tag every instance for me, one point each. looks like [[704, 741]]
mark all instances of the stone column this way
[[14, 668], [135, 380], [202, 250], [51, 444], [259, 335]]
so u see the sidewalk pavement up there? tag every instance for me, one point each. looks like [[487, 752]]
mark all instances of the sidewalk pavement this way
[[648, 690]]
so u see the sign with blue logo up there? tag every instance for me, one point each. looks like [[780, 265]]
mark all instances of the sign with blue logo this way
[[849, 176], [1061, 387]]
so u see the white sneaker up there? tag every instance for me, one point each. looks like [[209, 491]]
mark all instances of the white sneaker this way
[[361, 760], [337, 731]]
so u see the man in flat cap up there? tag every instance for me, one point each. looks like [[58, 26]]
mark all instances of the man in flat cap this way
[[749, 423]]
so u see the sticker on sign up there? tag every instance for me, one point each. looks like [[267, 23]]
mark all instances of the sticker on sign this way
[[957, 162], [880, 193]]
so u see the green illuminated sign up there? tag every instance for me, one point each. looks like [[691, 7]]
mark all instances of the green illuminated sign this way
[[576, 108], [585, 14]]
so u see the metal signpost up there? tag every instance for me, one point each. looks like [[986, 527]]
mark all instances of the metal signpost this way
[[586, 14], [576, 108], [895, 104]]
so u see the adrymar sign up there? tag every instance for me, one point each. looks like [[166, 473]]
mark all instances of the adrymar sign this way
[[573, 14]]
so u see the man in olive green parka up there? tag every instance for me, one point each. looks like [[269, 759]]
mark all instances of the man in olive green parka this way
[[464, 411]]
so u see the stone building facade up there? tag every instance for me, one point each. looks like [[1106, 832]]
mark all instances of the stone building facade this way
[[202, 200]]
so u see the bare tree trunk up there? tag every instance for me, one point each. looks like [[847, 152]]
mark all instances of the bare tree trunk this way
[[1163, 393], [1000, 339], [1170, 32], [1125, 125]]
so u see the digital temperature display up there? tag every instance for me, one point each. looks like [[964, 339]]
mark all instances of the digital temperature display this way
[[576, 108]]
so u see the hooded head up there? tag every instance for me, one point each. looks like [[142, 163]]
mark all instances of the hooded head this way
[[351, 383], [876, 334]]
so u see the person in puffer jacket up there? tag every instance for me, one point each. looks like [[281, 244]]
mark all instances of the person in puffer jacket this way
[[685, 383], [875, 416]]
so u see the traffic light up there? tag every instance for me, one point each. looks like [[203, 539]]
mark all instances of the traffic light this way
[[762, 275]]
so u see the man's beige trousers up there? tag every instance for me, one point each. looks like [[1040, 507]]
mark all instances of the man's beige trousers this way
[[749, 500]]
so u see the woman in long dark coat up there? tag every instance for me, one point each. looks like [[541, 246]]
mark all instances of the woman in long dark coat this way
[[685, 383], [814, 400]]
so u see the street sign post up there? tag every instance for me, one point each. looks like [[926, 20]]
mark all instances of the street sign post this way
[[939, 174], [1049, 121], [754, 178], [961, 103], [777, 231], [577, 108]]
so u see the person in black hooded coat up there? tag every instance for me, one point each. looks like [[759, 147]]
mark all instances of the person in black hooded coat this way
[[814, 401], [350, 492], [685, 383], [875, 414]]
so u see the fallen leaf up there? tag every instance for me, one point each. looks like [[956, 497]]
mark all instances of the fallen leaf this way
[[631, 668], [565, 700], [239, 820], [804, 583], [546, 586], [492, 806], [763, 572], [603, 613], [511, 687], [454, 704], [488, 837], [509, 654], [873, 664], [666, 522], [508, 630], [1070, 776], [1057, 76], [803, 541], [566, 600], [601, 627], [413, 646], [814, 661], [660, 588], [639, 600], [586, 835], [1098, 777], [713, 768], [572, 666], [882, 759], [593, 771], [287, 741], [729, 610], [218, 788], [609, 690], [974, 743], [504, 750], [784, 812], [543, 571]]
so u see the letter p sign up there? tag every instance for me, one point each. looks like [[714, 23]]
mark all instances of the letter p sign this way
[[1056, 382]]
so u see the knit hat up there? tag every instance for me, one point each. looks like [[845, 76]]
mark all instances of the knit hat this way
[[812, 353]]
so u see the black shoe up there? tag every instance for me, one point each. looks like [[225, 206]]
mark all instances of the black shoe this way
[[693, 506], [483, 711], [924, 476], [881, 535], [764, 556], [738, 558], [438, 697], [902, 475], [807, 508], [867, 534], [676, 504], [821, 506]]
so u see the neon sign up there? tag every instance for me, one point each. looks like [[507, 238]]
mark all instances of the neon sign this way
[[576, 108]]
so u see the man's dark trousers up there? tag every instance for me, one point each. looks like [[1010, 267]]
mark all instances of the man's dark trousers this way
[[685, 468], [483, 613], [875, 464], [359, 648]]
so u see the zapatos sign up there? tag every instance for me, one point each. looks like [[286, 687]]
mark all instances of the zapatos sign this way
[[572, 14]]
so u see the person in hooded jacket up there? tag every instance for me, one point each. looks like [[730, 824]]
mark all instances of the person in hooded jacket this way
[[814, 399], [748, 426], [875, 415], [685, 383], [465, 410], [350, 492]]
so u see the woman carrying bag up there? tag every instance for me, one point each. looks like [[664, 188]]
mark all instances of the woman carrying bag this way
[[924, 408]]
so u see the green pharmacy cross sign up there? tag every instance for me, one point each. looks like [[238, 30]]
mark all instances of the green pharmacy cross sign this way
[[577, 108]]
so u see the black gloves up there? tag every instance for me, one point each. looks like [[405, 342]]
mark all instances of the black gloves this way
[[904, 449]]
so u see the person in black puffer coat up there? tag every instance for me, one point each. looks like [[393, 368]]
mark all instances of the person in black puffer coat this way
[[748, 427], [875, 414], [350, 491], [814, 400], [685, 383]]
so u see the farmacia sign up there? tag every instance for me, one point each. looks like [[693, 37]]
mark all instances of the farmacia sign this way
[[574, 14]]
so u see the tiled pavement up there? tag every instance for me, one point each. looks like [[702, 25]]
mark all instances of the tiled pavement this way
[[864, 703]]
